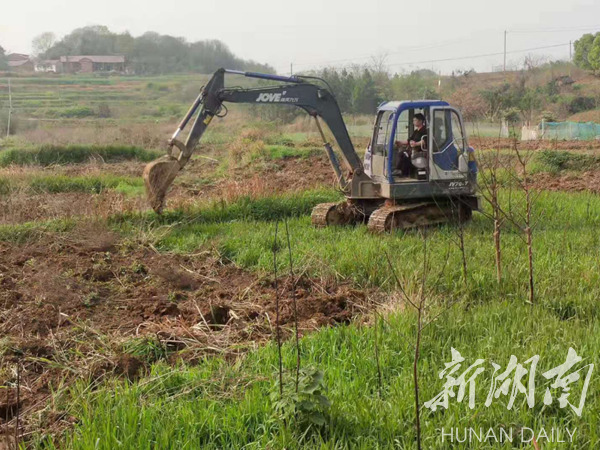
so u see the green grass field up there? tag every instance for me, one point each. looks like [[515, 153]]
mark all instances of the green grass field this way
[[224, 404]]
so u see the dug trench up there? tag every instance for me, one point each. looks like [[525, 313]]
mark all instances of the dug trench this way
[[87, 306]]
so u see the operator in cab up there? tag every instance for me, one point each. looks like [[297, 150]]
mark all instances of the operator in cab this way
[[412, 144]]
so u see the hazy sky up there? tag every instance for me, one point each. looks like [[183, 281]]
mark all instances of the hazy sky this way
[[310, 33]]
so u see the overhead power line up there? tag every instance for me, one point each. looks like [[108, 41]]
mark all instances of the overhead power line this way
[[485, 55], [384, 54], [396, 52], [457, 58], [552, 30]]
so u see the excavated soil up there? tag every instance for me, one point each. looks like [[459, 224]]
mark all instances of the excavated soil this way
[[581, 182], [69, 306]]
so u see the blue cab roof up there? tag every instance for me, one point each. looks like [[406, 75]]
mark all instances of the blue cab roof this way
[[403, 105]]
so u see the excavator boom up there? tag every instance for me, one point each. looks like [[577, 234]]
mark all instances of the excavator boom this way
[[316, 100]]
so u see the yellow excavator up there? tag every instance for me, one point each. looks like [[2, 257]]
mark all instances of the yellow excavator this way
[[440, 187]]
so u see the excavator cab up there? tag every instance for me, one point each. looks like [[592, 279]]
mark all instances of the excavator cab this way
[[444, 151]]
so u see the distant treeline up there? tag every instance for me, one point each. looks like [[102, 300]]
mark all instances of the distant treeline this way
[[359, 90], [150, 53], [540, 90], [536, 92]]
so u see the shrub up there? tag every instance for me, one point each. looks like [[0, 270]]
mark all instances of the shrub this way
[[579, 104], [511, 115], [557, 161], [77, 112], [103, 111], [308, 406], [548, 116]]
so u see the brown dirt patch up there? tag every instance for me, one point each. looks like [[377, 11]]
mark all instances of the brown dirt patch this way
[[580, 182], [68, 305], [286, 175], [490, 143], [19, 207]]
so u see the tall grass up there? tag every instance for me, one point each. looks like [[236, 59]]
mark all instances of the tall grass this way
[[241, 210], [54, 184], [47, 155]]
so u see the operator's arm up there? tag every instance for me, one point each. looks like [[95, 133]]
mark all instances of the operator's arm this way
[[417, 136]]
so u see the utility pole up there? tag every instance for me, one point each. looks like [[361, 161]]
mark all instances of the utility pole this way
[[291, 69], [9, 109], [504, 50], [570, 51]]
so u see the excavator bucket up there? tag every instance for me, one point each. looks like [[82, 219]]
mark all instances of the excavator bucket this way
[[158, 177]]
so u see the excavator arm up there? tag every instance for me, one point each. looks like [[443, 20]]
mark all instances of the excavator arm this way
[[314, 99]]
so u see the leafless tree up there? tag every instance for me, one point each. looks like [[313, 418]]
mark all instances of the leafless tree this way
[[295, 302], [489, 188], [42, 43], [521, 216], [417, 298], [277, 324]]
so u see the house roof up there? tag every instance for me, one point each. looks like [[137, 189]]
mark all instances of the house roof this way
[[94, 58], [18, 63], [17, 57]]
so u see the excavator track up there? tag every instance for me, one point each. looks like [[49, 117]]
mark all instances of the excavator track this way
[[328, 214], [404, 217]]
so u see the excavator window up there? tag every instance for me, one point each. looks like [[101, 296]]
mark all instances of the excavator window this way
[[383, 129], [404, 127], [439, 130], [457, 133]]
